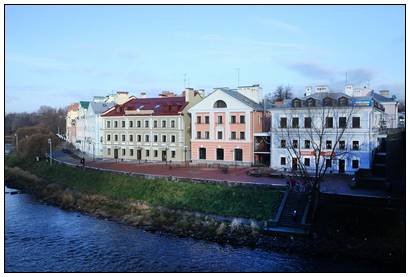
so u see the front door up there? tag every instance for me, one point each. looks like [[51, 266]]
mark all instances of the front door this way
[[294, 163], [138, 154], [341, 166], [115, 153], [164, 156]]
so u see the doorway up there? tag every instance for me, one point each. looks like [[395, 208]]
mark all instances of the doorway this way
[[341, 166], [294, 163], [164, 156], [138, 154], [115, 153]]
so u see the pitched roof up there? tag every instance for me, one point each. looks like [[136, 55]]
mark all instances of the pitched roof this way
[[380, 97], [154, 106], [235, 94], [99, 107]]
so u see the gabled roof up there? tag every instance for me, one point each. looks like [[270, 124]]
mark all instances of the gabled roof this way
[[84, 104], [380, 98], [99, 107], [235, 94], [152, 106]]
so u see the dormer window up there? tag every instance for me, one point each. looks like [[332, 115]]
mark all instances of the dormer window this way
[[310, 102], [220, 104], [296, 103], [327, 102], [342, 101]]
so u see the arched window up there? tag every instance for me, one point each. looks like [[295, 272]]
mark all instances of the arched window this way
[[220, 104]]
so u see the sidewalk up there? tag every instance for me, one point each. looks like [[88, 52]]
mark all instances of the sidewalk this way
[[335, 185]]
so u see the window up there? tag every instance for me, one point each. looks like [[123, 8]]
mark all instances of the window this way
[[356, 122], [146, 124], [147, 138], [238, 154], [295, 122], [307, 144], [155, 138], [219, 154], [108, 124], [172, 123], [108, 137], [327, 102], [164, 124], [342, 145], [116, 137], [342, 122], [311, 102], [131, 123], [206, 119], [131, 152], [220, 119], [139, 124], [283, 122], [329, 122], [342, 101], [123, 152], [155, 153], [123, 137], [282, 161], [295, 143], [164, 138], [115, 124], [242, 135], [296, 103], [172, 154], [131, 137], [206, 134], [202, 153], [355, 145], [355, 163], [108, 151], [328, 163], [307, 161], [155, 124], [308, 122], [172, 138], [233, 135], [282, 143], [242, 119], [146, 153], [219, 134], [328, 144], [198, 120], [123, 124], [233, 119], [220, 104], [198, 134], [139, 138]]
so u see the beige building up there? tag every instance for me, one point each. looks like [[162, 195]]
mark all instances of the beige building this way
[[150, 129]]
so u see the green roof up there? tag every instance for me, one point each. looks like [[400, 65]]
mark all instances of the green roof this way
[[84, 104]]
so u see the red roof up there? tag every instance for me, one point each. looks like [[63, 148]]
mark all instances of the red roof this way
[[159, 106]]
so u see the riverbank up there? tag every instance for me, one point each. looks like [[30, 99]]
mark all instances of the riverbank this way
[[75, 193]]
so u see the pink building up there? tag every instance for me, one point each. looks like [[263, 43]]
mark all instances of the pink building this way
[[229, 127]]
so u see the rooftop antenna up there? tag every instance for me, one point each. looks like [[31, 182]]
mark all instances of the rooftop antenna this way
[[238, 70]]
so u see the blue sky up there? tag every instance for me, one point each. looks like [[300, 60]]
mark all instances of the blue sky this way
[[56, 55]]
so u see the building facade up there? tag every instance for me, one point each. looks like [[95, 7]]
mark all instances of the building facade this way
[[342, 130], [149, 129], [72, 114], [224, 124]]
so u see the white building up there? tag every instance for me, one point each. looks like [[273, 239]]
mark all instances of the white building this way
[[297, 124]]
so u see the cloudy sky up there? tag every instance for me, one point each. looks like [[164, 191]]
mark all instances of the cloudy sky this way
[[56, 55]]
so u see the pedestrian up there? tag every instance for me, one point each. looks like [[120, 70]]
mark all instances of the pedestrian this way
[[82, 161]]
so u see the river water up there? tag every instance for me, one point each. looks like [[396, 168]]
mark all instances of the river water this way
[[40, 237]]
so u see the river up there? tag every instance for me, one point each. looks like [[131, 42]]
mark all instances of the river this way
[[40, 237]]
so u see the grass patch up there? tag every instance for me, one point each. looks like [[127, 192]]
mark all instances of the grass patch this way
[[257, 203]]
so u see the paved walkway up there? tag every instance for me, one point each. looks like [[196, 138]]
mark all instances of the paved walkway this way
[[339, 185]]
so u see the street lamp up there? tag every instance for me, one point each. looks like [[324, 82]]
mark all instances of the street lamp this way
[[51, 153], [17, 142]]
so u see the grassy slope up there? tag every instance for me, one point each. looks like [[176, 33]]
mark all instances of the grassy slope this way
[[258, 203]]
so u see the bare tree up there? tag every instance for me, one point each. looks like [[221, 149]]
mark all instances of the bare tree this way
[[324, 128], [280, 93]]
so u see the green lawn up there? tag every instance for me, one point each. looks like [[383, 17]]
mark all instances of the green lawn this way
[[257, 203]]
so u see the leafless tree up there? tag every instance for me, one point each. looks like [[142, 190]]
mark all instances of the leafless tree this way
[[321, 138], [280, 93]]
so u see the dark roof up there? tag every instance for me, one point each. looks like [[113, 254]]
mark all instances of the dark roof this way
[[235, 94], [380, 97], [159, 106], [99, 107], [322, 95]]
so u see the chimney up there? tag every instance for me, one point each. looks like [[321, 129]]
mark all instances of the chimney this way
[[384, 92], [349, 90], [308, 91], [189, 94], [252, 92], [167, 94], [143, 95]]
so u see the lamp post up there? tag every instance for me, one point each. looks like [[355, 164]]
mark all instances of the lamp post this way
[[17, 142], [185, 150], [166, 154], [51, 153]]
